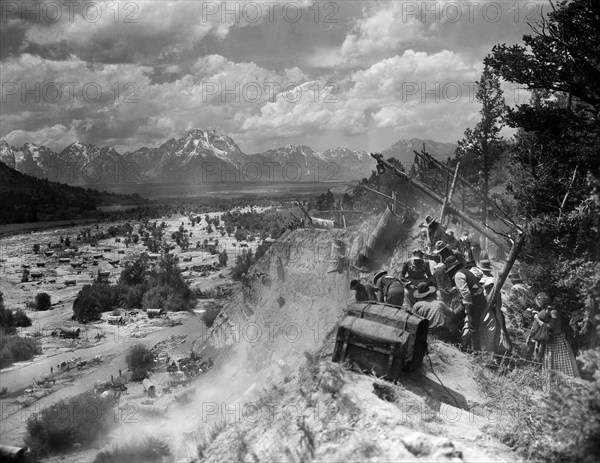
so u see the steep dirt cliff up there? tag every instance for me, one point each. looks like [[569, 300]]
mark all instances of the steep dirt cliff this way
[[277, 397]]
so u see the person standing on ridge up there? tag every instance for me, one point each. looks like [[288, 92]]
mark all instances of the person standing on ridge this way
[[472, 299]]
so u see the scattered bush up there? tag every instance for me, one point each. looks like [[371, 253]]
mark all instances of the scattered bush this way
[[9, 320], [139, 360], [150, 449], [42, 301], [17, 349], [242, 263], [76, 420], [21, 319]]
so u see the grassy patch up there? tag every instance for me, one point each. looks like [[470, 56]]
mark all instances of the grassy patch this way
[[149, 449], [561, 424], [209, 437]]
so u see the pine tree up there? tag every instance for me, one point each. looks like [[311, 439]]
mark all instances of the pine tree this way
[[482, 146]]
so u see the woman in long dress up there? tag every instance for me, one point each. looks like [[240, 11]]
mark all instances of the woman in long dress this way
[[558, 356]]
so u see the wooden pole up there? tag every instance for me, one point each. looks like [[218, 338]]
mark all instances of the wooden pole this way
[[433, 195], [453, 183], [493, 298], [383, 194], [475, 190], [446, 191], [451, 192], [429, 157], [446, 194]]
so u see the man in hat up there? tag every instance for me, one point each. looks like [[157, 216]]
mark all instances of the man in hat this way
[[442, 251], [443, 284], [472, 298], [416, 270], [441, 319], [467, 250], [389, 289], [487, 279], [446, 291], [363, 293]]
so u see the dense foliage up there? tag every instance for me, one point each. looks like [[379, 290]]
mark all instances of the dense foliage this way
[[246, 258], [554, 164], [10, 320], [17, 349], [264, 224], [139, 361], [81, 419], [141, 286], [43, 301]]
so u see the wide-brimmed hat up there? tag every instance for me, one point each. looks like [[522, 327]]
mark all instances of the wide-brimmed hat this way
[[485, 266], [451, 263], [378, 276], [515, 277], [423, 290], [439, 247]]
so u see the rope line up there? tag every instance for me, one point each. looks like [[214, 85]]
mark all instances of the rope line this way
[[438, 378]]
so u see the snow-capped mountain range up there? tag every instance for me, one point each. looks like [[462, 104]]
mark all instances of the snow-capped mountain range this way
[[202, 156]]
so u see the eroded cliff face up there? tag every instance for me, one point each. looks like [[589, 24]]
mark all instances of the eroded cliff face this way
[[291, 300]]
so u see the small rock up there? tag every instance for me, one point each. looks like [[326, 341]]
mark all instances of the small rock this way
[[417, 443], [447, 453]]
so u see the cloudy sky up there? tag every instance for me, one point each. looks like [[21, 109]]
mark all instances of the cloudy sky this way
[[347, 73]]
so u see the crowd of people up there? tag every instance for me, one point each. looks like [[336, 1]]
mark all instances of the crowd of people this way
[[449, 283]]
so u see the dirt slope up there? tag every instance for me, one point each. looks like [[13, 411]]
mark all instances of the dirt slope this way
[[283, 407]]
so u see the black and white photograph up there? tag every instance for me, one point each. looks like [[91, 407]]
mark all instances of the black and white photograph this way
[[299, 231]]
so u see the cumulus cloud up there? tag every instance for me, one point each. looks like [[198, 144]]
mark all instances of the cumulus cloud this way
[[114, 32], [393, 92], [55, 137], [177, 68], [386, 30]]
